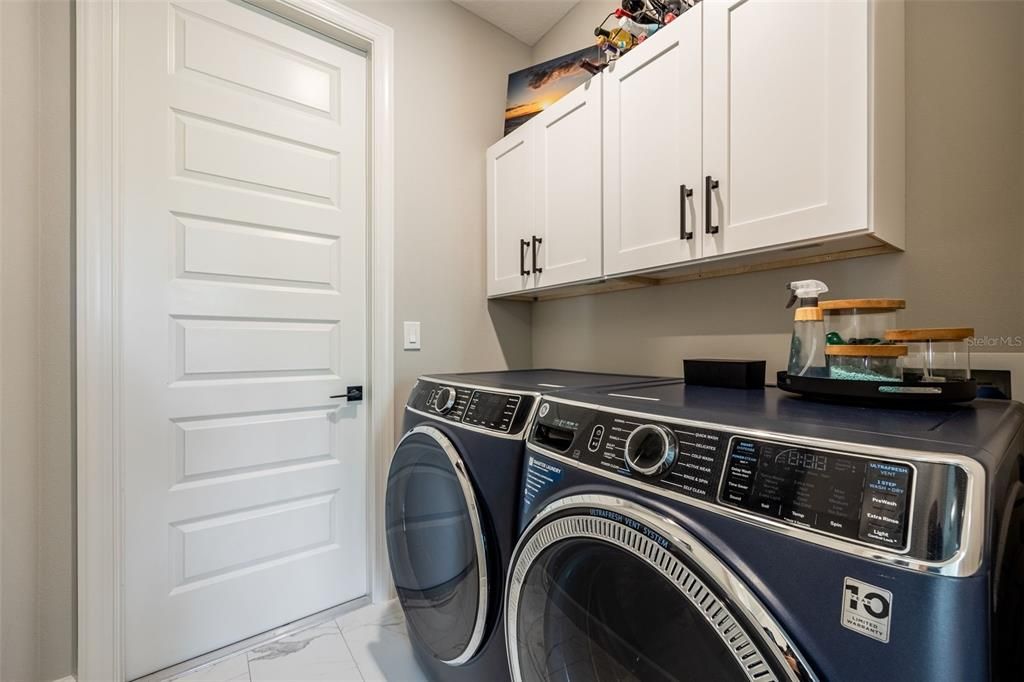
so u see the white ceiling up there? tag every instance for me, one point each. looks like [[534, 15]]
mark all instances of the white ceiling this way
[[526, 20]]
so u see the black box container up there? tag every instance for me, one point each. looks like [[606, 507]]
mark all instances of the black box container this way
[[725, 373]]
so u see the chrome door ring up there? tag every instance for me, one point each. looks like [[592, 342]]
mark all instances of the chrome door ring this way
[[718, 614], [462, 475]]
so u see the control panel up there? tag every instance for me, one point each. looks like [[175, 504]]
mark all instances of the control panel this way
[[862, 499], [489, 410], [852, 497], [681, 459]]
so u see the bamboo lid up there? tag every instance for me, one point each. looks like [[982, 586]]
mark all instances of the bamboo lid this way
[[874, 304], [879, 351], [930, 334], [808, 315]]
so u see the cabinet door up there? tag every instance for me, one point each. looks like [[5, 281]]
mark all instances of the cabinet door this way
[[510, 211], [652, 146], [785, 121], [568, 187]]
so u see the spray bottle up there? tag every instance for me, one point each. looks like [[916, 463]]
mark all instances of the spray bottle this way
[[807, 348]]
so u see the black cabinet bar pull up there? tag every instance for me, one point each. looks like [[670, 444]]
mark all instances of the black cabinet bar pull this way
[[684, 194], [709, 185], [523, 244], [537, 241]]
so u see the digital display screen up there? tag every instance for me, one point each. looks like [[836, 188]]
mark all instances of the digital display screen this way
[[491, 410], [852, 497]]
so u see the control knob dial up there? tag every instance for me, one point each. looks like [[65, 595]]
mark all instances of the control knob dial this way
[[651, 450], [444, 399]]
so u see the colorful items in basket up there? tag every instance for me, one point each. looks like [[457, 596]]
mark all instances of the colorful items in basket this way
[[860, 321], [878, 362], [859, 339]]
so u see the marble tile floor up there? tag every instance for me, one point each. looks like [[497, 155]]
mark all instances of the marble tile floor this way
[[369, 644]]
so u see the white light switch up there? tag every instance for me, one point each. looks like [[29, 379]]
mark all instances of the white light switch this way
[[412, 336]]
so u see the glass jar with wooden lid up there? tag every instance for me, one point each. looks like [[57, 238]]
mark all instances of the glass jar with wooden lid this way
[[860, 321], [936, 354], [879, 362]]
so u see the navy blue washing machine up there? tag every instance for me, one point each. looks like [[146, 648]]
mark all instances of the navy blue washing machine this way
[[451, 511], [693, 533]]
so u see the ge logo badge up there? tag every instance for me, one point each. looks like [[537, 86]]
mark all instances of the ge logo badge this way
[[544, 409], [867, 609]]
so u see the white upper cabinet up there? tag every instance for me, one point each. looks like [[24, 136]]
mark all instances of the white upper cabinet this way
[[510, 212], [744, 133], [787, 123], [653, 205], [568, 188], [544, 197]]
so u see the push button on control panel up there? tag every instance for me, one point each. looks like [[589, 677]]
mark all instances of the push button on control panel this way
[[596, 436], [837, 525], [801, 517], [884, 507]]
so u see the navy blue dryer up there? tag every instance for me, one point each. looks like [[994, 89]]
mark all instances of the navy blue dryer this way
[[451, 511], [674, 533]]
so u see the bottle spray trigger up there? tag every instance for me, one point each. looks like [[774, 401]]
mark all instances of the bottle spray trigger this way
[[806, 291]]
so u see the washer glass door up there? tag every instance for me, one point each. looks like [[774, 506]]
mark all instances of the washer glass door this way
[[596, 612], [436, 545], [600, 593]]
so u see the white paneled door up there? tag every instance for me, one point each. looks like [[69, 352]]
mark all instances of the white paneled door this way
[[243, 268]]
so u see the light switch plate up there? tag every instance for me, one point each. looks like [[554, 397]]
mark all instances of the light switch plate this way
[[412, 336]]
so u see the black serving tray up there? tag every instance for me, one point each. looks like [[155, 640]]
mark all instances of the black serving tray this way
[[888, 393]]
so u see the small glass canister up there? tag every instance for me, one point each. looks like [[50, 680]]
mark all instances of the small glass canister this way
[[860, 321], [936, 355], [865, 363]]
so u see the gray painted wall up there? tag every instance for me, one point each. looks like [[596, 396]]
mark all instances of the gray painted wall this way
[[964, 263], [450, 77], [36, 423], [55, 551], [18, 337]]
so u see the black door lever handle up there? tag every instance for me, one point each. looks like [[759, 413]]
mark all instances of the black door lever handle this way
[[353, 394]]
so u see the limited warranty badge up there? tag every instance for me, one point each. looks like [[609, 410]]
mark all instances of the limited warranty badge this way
[[867, 609]]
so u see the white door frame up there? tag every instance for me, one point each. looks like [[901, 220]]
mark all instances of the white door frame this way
[[99, 227]]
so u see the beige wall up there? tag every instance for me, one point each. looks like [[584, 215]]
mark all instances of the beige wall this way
[[18, 337], [36, 459], [55, 626], [450, 78], [964, 263]]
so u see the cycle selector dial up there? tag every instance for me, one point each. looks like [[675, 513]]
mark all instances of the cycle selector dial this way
[[444, 399], [651, 450]]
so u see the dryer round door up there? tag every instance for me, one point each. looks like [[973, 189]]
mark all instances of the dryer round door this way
[[436, 545], [603, 589]]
